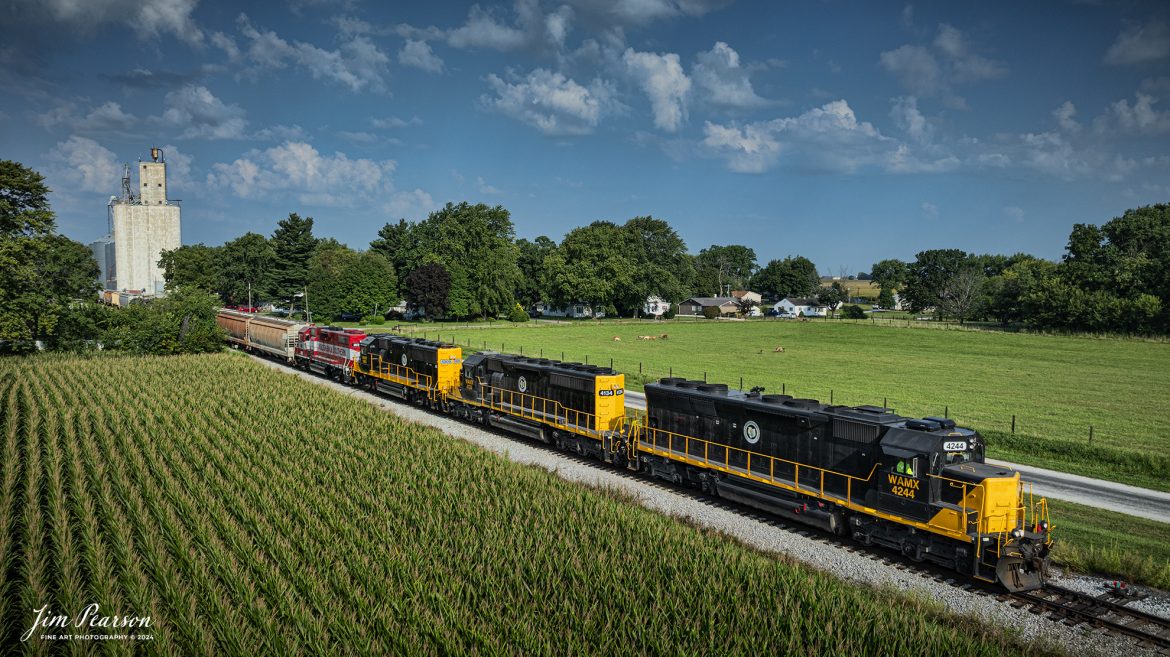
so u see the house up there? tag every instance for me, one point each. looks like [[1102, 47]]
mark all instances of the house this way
[[576, 310], [655, 306], [800, 306], [744, 295], [694, 306]]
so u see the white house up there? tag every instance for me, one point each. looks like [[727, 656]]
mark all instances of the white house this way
[[655, 306], [798, 306], [578, 310]]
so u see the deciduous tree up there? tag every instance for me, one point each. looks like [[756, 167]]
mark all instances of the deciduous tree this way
[[428, 288], [722, 268]]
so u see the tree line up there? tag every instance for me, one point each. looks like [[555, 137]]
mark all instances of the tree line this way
[[465, 261], [1113, 278]]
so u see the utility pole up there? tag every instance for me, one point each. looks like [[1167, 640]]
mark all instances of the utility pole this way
[[249, 294]]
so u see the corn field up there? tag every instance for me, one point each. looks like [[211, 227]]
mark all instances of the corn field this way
[[246, 513]]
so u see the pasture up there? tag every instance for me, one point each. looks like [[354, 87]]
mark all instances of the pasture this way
[[1057, 387], [247, 512]]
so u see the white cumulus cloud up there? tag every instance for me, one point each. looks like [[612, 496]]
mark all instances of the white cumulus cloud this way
[[415, 203], [641, 12], [296, 168], [718, 73], [1139, 118], [551, 102], [148, 18], [1139, 43], [200, 114], [750, 149], [84, 164], [358, 64], [665, 84], [419, 55], [933, 73]]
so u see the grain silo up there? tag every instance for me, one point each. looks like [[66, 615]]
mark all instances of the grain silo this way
[[145, 224]]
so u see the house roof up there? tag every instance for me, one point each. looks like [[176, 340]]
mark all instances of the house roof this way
[[711, 301], [803, 301], [739, 294]]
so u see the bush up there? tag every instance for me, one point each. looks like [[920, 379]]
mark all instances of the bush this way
[[671, 311], [517, 314], [611, 310], [853, 312], [711, 312], [373, 319]]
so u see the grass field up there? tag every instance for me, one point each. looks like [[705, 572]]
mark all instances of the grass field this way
[[246, 512], [1100, 541], [1056, 387]]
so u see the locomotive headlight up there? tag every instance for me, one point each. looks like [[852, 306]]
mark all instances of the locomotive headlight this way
[[1043, 525], [1017, 532]]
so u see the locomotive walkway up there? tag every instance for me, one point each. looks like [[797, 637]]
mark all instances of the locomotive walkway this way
[[1131, 500]]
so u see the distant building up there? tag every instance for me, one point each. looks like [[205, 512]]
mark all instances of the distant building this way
[[694, 306], [146, 223], [103, 253], [578, 310], [655, 306], [797, 306], [745, 295]]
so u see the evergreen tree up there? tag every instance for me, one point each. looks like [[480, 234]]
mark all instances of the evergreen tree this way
[[293, 245]]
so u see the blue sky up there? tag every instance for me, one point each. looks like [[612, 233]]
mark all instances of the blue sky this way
[[847, 132]]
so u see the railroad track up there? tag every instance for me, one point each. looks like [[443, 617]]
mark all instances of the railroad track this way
[[1102, 611]]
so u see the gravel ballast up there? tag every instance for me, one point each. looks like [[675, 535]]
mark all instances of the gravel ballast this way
[[847, 565]]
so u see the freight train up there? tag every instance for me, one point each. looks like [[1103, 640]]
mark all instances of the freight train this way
[[920, 486]]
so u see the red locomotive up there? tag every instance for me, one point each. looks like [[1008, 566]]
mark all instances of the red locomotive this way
[[329, 350]]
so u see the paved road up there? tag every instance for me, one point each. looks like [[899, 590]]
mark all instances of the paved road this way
[[1131, 500]]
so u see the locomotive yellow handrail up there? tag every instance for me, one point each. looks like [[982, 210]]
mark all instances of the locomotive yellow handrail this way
[[560, 415], [663, 443], [408, 377]]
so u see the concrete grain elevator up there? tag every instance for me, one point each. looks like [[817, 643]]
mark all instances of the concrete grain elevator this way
[[145, 223]]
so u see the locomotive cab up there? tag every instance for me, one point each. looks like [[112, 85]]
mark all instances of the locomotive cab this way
[[934, 472]]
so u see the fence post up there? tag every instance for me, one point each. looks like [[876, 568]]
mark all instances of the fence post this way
[[784, 388], [671, 371], [521, 350], [639, 367], [1013, 423], [542, 352], [830, 396], [885, 403], [1090, 434], [741, 383], [586, 359], [562, 356], [611, 363], [946, 411], [704, 376]]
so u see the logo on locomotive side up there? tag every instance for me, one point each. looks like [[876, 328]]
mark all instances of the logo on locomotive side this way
[[902, 486], [522, 384], [751, 432], [405, 360]]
